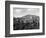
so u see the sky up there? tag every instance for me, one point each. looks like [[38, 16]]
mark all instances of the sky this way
[[19, 12]]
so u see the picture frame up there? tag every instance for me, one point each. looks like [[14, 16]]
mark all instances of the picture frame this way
[[8, 18]]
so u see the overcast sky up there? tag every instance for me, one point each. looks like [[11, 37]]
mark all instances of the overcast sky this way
[[19, 12]]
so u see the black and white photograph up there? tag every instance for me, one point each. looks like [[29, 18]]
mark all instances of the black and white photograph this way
[[24, 18]]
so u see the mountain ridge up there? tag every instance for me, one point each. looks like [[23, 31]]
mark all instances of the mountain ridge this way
[[29, 18]]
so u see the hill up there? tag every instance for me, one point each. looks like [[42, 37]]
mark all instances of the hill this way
[[26, 22]]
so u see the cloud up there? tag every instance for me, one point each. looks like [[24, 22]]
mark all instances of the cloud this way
[[19, 12]]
